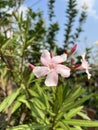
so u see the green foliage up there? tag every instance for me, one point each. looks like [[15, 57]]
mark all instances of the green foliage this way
[[48, 108], [79, 29], [32, 126], [5, 17], [71, 15], [9, 100], [72, 34], [51, 9], [10, 3], [53, 29]]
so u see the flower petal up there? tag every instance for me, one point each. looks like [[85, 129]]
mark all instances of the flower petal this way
[[83, 56], [51, 79], [40, 71], [45, 57], [88, 74], [59, 59], [63, 70], [85, 64]]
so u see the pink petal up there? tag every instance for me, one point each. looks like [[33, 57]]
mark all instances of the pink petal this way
[[45, 58], [59, 59], [88, 74], [40, 71], [63, 70], [83, 56], [85, 64], [51, 79]]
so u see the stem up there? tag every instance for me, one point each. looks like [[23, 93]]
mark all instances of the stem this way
[[23, 115], [7, 62], [55, 108]]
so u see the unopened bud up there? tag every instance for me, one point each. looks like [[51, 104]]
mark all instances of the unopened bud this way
[[73, 49], [77, 66], [31, 66], [51, 54], [72, 60]]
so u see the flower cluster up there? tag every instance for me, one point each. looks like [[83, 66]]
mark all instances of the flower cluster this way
[[52, 66]]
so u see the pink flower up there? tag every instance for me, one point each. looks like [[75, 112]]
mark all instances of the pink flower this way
[[84, 66], [51, 67]]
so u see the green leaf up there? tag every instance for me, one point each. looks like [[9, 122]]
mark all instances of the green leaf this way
[[85, 123], [6, 44], [62, 126], [78, 92], [30, 127], [38, 113], [83, 115], [33, 93], [38, 103], [82, 100], [45, 100], [31, 76], [59, 95], [9, 100], [15, 106], [73, 112], [30, 41], [17, 103], [73, 95], [69, 104], [25, 102], [76, 128]]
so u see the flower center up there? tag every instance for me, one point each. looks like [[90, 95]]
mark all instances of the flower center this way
[[51, 66]]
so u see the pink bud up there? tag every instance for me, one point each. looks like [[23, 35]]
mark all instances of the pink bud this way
[[73, 49], [72, 60], [51, 54], [31, 66], [77, 66]]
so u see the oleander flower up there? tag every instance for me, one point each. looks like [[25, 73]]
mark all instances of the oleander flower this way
[[83, 66], [51, 67]]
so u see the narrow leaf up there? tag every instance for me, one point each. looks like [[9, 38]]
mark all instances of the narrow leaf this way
[[9, 100], [81, 123]]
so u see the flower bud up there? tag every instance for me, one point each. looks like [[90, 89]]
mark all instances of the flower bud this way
[[31, 66], [77, 66], [72, 60], [73, 49]]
